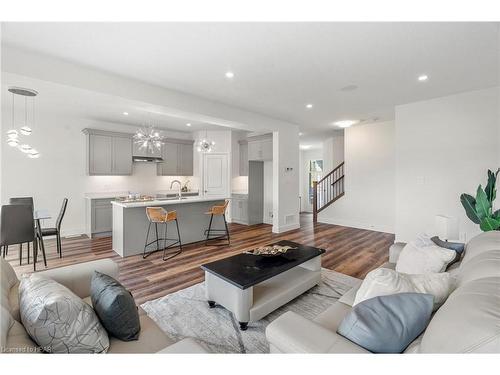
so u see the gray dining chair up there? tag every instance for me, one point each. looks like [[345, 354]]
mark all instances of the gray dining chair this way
[[16, 226], [29, 202], [56, 231]]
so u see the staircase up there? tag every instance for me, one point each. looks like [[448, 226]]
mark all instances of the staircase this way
[[328, 190]]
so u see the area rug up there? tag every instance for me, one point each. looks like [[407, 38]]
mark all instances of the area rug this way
[[186, 314]]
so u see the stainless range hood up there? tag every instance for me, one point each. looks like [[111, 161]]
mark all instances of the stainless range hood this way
[[147, 159]]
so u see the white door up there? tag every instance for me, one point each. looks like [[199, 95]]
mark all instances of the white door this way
[[215, 175]]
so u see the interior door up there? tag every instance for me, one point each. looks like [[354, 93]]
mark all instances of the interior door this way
[[215, 175]]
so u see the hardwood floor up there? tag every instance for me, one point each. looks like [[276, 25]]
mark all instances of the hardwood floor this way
[[351, 251]]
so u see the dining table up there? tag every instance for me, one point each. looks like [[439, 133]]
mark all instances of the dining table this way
[[41, 214]]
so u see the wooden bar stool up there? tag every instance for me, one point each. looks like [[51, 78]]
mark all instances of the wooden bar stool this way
[[157, 215], [217, 211]]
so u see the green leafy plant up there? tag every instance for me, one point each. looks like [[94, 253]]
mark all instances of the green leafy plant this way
[[480, 208]]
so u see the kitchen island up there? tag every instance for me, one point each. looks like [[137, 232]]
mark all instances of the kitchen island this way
[[130, 223]]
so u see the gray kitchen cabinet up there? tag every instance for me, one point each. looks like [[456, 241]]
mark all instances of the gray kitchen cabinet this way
[[177, 158], [108, 153], [239, 209], [185, 159], [170, 155], [101, 217], [260, 148], [122, 156], [243, 170]]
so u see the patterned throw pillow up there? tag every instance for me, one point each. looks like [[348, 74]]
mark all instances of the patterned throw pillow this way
[[58, 320]]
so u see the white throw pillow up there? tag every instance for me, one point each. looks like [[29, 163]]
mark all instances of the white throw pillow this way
[[58, 320], [418, 257], [384, 281]]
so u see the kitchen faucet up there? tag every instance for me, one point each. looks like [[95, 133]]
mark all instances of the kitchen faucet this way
[[180, 187]]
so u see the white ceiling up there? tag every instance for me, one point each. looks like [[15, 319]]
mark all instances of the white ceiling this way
[[70, 101], [280, 67]]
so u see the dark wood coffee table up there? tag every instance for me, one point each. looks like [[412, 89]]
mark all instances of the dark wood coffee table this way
[[252, 286]]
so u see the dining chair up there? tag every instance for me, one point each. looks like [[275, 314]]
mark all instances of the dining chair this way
[[16, 227], [56, 231], [29, 202]]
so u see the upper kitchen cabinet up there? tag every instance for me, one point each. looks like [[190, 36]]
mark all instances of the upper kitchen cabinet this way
[[108, 153], [243, 158], [260, 148], [177, 157]]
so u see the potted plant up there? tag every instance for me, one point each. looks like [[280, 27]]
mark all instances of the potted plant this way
[[480, 208]]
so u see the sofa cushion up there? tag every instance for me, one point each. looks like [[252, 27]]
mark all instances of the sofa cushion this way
[[8, 279], [383, 281], [468, 321], [482, 243], [19, 342], [58, 320], [331, 317], [483, 265], [388, 324], [14, 302], [115, 307], [416, 258], [151, 339]]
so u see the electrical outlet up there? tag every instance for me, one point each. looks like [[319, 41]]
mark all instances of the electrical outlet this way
[[271, 214]]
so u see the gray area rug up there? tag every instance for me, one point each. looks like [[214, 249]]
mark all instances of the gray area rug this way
[[186, 314]]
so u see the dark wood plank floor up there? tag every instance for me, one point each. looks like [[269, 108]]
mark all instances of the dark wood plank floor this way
[[351, 251]]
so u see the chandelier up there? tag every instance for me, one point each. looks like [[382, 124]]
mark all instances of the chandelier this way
[[15, 137], [148, 138], [205, 145]]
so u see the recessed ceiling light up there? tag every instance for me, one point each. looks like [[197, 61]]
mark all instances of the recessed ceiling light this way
[[188, 124], [300, 134], [305, 147], [229, 75], [309, 106], [125, 113], [423, 78], [345, 123]]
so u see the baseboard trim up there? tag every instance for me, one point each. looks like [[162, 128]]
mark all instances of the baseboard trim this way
[[285, 228], [347, 223]]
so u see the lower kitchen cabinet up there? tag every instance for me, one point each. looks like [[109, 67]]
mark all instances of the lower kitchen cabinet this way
[[239, 209], [99, 217]]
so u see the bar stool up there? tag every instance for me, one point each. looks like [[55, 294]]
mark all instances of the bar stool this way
[[217, 211], [157, 215]]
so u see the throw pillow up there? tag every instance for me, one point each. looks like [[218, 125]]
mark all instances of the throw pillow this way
[[384, 281], [455, 246], [387, 324], [115, 307], [416, 259], [58, 320]]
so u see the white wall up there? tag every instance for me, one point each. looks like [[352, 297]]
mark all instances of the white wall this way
[[333, 150], [444, 147], [305, 157], [286, 180], [268, 192], [369, 180]]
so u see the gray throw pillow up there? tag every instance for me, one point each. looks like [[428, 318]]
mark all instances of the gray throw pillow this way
[[388, 324], [58, 320], [455, 246], [115, 307]]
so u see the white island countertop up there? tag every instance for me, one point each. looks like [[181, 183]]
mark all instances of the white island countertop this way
[[166, 202]]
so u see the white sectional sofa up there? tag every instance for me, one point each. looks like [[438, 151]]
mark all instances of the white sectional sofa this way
[[468, 322], [77, 278]]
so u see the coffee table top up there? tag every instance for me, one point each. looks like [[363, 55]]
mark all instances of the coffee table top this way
[[246, 270]]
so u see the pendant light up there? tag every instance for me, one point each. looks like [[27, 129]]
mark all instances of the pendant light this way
[[205, 145], [14, 136]]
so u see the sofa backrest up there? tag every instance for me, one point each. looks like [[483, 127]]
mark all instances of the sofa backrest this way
[[8, 280], [469, 320]]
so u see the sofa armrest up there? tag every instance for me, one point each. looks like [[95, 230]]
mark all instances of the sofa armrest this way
[[395, 250], [185, 346], [292, 333], [77, 276]]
